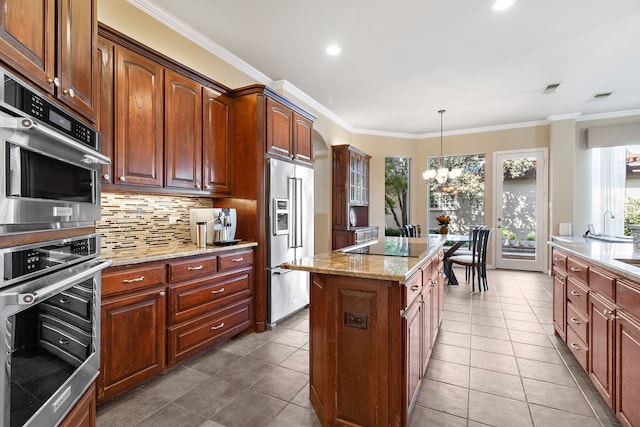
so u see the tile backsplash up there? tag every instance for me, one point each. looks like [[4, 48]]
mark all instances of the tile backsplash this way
[[131, 221]]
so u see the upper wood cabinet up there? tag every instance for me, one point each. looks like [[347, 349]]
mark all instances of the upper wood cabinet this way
[[52, 44], [105, 52], [139, 108], [216, 156], [288, 133], [183, 131]]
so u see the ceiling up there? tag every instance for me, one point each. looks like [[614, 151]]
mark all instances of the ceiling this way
[[403, 61]]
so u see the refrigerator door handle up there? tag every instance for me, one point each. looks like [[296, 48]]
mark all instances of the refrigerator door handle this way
[[293, 220], [280, 271], [298, 216]]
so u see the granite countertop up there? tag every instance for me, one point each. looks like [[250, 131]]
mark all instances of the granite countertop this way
[[381, 267], [155, 253], [604, 254]]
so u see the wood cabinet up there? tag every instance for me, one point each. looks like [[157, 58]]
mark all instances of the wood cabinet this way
[[288, 132], [139, 107], [208, 304], [602, 324], [370, 342], [157, 314], [133, 337], [559, 304], [165, 127], [83, 414], [182, 131], [350, 186], [52, 44]]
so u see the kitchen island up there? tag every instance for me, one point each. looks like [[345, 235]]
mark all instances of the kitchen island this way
[[374, 315], [596, 311]]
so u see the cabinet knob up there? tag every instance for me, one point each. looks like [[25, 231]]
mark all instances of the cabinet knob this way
[[208, 186], [198, 186], [105, 176], [54, 81], [69, 92], [574, 293], [575, 346], [162, 293], [575, 321], [415, 288], [122, 178]]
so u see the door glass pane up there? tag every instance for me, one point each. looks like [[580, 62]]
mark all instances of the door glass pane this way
[[519, 195], [396, 197]]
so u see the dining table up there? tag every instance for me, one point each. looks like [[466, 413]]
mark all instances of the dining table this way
[[458, 240]]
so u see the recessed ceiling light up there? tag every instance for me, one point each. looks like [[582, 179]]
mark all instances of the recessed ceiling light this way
[[550, 88], [333, 50], [502, 4], [600, 96]]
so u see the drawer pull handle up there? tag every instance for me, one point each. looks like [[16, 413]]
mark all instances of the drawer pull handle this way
[[197, 267], [219, 291], [63, 341], [574, 293], [64, 300], [557, 259], [237, 259], [574, 320], [221, 325], [575, 270], [575, 346], [137, 279], [415, 288]]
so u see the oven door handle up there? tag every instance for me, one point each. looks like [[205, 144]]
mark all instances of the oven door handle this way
[[91, 155], [62, 282]]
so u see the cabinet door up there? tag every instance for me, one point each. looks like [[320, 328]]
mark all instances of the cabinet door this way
[[428, 335], [183, 131], [83, 413], [627, 372], [601, 336], [105, 52], [413, 332], [27, 39], [77, 65], [133, 340], [279, 128], [302, 142], [139, 119], [216, 165], [560, 305]]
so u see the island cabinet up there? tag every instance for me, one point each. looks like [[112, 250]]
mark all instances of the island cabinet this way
[[156, 314], [166, 127], [83, 414], [51, 43], [370, 341], [601, 327]]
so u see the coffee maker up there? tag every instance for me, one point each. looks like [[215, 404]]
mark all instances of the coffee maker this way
[[220, 224]]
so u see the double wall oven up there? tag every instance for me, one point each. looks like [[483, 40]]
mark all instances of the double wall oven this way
[[50, 286]]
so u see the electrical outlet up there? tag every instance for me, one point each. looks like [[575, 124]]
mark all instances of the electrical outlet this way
[[174, 219]]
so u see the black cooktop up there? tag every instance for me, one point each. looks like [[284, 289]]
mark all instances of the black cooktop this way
[[397, 246]]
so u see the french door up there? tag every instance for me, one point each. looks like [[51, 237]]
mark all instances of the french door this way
[[520, 186]]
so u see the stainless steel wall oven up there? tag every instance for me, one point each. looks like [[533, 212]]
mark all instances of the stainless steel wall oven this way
[[50, 328], [50, 163]]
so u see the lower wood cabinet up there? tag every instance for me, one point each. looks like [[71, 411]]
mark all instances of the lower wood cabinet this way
[[83, 413], [559, 304], [601, 348], [627, 374], [157, 314]]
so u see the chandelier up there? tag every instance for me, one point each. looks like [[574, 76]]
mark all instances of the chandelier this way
[[442, 173]]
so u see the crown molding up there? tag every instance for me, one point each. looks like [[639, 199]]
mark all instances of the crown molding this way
[[611, 115]]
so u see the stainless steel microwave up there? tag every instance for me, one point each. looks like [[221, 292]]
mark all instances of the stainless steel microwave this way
[[49, 163]]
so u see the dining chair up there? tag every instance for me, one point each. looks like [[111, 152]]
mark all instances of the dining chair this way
[[476, 261], [466, 249]]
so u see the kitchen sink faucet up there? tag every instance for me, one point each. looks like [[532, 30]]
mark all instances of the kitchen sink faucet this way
[[604, 221]]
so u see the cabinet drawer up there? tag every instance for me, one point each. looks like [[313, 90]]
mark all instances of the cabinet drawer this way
[[578, 348], [559, 259], [578, 322], [196, 298], [602, 283], [427, 272], [578, 268], [577, 294], [235, 260], [201, 332], [130, 279], [628, 297], [412, 288], [194, 267]]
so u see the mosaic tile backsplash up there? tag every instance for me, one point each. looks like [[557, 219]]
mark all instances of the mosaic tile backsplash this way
[[131, 221]]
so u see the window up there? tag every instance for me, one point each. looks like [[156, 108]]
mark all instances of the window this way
[[396, 197], [461, 198]]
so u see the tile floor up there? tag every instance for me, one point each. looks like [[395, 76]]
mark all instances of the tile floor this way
[[496, 362]]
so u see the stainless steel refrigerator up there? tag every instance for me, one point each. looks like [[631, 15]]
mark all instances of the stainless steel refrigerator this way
[[290, 237]]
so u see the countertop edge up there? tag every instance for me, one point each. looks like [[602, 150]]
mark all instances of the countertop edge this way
[[172, 252]]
